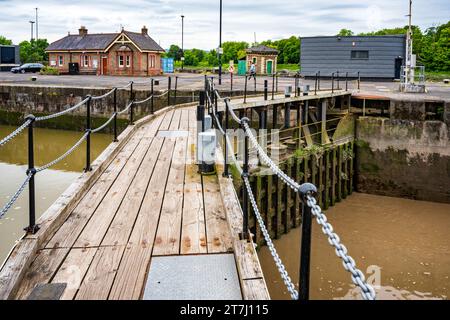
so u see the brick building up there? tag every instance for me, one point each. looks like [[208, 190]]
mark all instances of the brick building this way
[[125, 53], [265, 58]]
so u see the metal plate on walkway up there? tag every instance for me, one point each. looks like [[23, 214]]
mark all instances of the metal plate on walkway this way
[[201, 277]]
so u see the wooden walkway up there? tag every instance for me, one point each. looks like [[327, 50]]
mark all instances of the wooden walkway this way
[[150, 201]]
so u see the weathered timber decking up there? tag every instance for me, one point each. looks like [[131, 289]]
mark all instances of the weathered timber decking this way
[[149, 201]]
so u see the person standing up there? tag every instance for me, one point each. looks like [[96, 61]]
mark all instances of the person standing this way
[[252, 71]]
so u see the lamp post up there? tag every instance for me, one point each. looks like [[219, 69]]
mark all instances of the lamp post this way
[[182, 42], [220, 46], [37, 24], [31, 23]]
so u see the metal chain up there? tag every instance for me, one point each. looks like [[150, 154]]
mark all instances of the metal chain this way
[[358, 278], [15, 196], [75, 146], [15, 133], [281, 268], [56, 115], [266, 159]]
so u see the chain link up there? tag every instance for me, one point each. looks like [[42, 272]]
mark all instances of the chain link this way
[[105, 124], [281, 268], [15, 133], [126, 109], [358, 278], [104, 96], [75, 146], [15, 196]]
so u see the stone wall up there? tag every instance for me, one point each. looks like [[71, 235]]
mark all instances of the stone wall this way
[[403, 158]]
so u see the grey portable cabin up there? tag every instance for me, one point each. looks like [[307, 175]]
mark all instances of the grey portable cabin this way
[[375, 57], [9, 57]]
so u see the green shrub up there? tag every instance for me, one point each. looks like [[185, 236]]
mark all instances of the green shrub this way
[[49, 71]]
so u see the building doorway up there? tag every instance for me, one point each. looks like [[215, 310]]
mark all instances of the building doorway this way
[[398, 67], [269, 67], [104, 66]]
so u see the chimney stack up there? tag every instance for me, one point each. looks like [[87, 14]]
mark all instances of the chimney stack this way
[[83, 31], [144, 31]]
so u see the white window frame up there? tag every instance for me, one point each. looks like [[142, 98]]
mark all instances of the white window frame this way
[[128, 60], [60, 61], [152, 61], [86, 61], [121, 61]]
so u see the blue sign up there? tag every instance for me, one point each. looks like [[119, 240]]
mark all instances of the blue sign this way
[[167, 65]]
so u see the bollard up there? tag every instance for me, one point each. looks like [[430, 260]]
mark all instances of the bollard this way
[[115, 115], [168, 92], [131, 91], [346, 81], [287, 115], [273, 86], [152, 103], [226, 173], [305, 190], [245, 89], [176, 87], [255, 85], [88, 138], [318, 82], [315, 83], [332, 82], [266, 90], [337, 76], [245, 209], [132, 113], [201, 110], [359, 81], [32, 227], [274, 117]]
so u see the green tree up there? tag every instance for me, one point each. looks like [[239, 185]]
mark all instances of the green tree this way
[[212, 59], [231, 50], [174, 52], [345, 33], [33, 51], [190, 59], [4, 41], [289, 49]]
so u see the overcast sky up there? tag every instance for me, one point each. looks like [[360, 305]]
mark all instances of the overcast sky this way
[[242, 18]]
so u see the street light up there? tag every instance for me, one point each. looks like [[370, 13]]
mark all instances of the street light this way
[[31, 23], [220, 46], [182, 42], [37, 24]]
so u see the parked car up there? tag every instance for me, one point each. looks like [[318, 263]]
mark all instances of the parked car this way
[[28, 67]]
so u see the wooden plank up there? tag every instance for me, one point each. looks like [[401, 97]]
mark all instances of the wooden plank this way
[[41, 270], [193, 229], [100, 276], [169, 228], [218, 235], [175, 123], [98, 225], [73, 270], [255, 289], [120, 228], [67, 234], [167, 119], [133, 267]]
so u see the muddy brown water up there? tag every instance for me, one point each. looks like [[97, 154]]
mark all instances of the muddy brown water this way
[[50, 184], [401, 245]]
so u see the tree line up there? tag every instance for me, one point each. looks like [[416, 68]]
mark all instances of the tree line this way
[[432, 46]]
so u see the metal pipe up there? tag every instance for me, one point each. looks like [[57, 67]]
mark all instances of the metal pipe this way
[[169, 89], [176, 87], [88, 138], [132, 113], [337, 75], [306, 190], [227, 123], [245, 90], [273, 86], [245, 209], [32, 227], [346, 81], [318, 83], [115, 115], [332, 82], [266, 90], [152, 103], [220, 45]]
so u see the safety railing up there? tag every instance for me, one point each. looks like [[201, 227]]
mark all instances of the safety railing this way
[[31, 120], [307, 193]]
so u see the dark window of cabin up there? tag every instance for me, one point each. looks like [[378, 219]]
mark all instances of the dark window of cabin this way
[[358, 54]]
